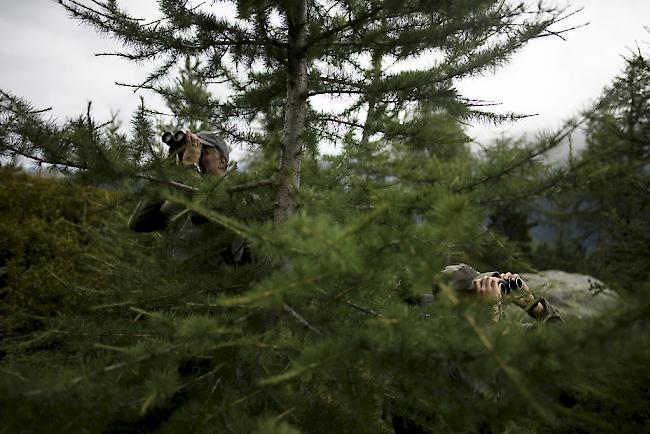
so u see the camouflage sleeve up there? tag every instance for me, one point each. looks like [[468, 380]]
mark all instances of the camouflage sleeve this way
[[148, 217], [549, 314]]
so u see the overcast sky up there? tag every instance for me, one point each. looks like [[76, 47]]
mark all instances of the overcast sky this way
[[49, 59]]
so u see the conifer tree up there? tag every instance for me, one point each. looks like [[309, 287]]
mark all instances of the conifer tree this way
[[605, 202], [277, 55]]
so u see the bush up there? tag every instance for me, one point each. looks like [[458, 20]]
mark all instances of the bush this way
[[45, 243]]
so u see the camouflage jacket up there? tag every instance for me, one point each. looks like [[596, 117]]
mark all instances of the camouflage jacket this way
[[192, 238]]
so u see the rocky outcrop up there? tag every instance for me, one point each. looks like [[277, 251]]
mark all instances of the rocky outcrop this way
[[574, 296]]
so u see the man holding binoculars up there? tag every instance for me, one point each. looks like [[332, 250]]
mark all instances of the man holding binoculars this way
[[495, 287], [208, 154], [204, 150]]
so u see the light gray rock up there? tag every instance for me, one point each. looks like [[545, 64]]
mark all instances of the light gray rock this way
[[574, 296]]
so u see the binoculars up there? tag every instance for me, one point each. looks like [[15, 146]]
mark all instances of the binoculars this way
[[506, 286], [175, 141]]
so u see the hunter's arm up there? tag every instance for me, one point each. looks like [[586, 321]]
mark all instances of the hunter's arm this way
[[152, 216], [542, 310]]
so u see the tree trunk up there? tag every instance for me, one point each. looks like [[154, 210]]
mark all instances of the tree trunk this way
[[369, 127], [294, 117]]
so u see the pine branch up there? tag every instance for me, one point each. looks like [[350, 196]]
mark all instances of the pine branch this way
[[250, 185], [552, 142], [323, 118], [300, 319], [168, 182], [84, 7], [234, 189], [109, 368], [338, 29], [175, 184], [336, 92], [365, 310], [46, 161]]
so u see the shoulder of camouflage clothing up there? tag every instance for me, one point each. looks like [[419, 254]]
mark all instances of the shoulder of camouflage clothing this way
[[460, 276], [147, 217]]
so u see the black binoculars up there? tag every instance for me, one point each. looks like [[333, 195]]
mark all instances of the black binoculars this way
[[174, 140], [506, 286]]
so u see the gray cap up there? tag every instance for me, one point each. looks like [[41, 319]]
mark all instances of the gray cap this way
[[209, 138]]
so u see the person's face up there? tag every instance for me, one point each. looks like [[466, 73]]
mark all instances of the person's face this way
[[214, 161]]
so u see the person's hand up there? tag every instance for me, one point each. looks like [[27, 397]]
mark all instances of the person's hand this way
[[192, 152], [488, 287]]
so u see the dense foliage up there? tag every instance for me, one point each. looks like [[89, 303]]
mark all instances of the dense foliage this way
[[318, 332], [45, 226], [150, 347]]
